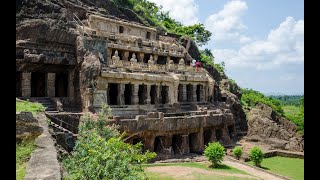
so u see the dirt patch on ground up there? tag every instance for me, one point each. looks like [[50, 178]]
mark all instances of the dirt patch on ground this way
[[178, 172]]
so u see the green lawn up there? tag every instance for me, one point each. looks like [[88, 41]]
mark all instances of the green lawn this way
[[28, 106], [23, 153], [289, 167], [205, 166]]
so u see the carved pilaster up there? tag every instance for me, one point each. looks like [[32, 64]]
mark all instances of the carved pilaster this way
[[148, 94], [50, 85], [194, 93], [121, 94], [26, 84], [135, 96]]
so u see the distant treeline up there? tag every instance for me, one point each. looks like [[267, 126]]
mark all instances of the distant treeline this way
[[288, 99]]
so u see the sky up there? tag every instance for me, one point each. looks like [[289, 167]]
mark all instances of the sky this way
[[260, 41]]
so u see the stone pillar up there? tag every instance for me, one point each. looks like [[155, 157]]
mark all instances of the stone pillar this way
[[148, 94], [121, 94], [202, 93], [149, 143], [184, 93], [168, 59], [194, 93], [26, 84], [159, 98], [135, 100], [50, 85], [213, 137], [70, 84], [199, 143], [185, 144], [140, 57], [109, 53], [225, 135]]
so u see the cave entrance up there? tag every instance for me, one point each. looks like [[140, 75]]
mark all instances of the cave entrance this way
[[128, 94], [113, 93], [164, 94], [162, 60], [142, 94], [207, 136], [38, 84], [61, 84], [189, 92], [219, 134], [231, 131], [198, 92], [153, 94], [146, 58], [193, 142], [176, 143], [158, 144]]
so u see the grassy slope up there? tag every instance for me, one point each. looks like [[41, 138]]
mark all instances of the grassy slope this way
[[28, 106], [23, 153], [289, 167], [24, 149]]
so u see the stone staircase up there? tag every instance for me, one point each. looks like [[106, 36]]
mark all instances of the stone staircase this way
[[47, 102]]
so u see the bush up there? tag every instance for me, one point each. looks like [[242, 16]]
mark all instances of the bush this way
[[237, 152], [215, 153], [256, 155], [100, 152]]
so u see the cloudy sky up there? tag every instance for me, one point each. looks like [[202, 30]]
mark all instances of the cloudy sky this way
[[260, 41]]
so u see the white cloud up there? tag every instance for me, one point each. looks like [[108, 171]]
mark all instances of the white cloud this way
[[184, 11], [283, 45], [226, 25]]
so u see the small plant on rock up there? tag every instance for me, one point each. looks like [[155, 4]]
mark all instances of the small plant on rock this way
[[256, 155], [237, 152], [215, 153]]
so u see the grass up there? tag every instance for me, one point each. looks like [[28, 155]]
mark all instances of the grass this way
[[28, 106], [23, 153], [161, 176], [289, 167], [205, 166]]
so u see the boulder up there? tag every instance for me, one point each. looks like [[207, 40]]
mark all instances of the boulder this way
[[266, 126], [27, 126]]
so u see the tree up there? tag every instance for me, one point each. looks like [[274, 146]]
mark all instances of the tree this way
[[100, 152], [215, 153], [237, 152], [196, 32], [256, 155]]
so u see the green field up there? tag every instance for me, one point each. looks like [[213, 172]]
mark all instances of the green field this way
[[291, 110], [289, 167]]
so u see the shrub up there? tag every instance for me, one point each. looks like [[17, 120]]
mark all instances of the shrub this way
[[100, 152], [237, 152], [256, 155], [214, 152]]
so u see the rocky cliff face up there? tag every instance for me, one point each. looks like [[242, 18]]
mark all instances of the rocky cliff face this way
[[266, 126]]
